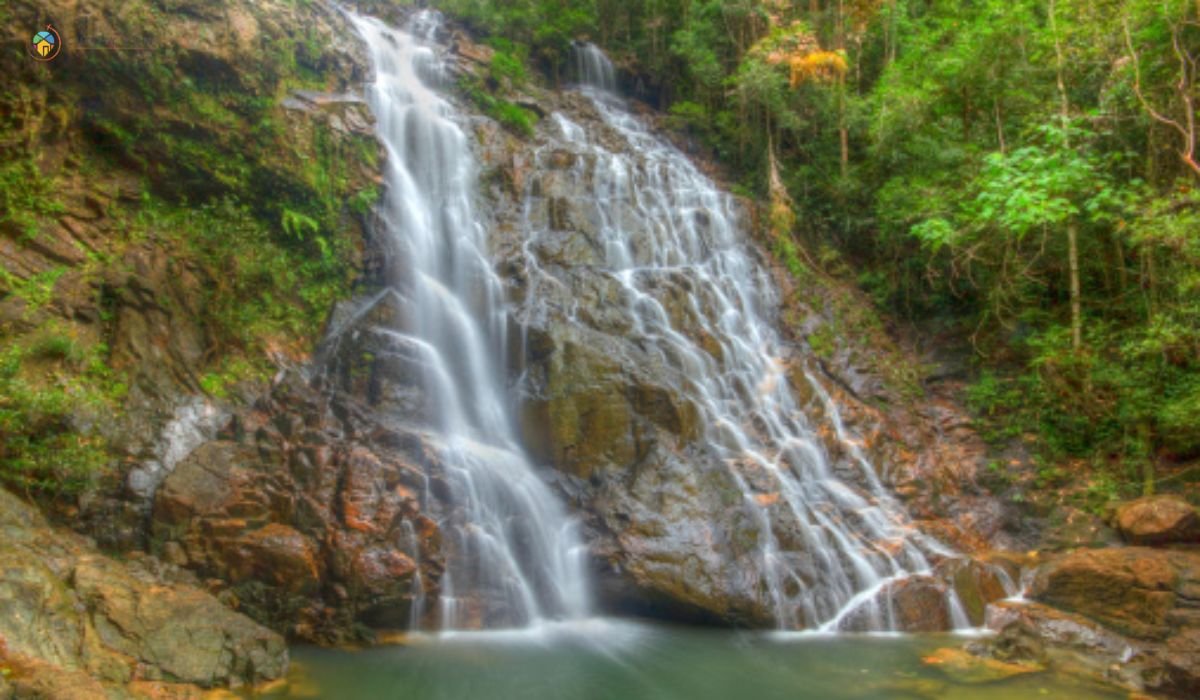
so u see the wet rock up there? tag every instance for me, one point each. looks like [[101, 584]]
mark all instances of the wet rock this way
[[577, 415], [1039, 634], [1069, 528], [380, 367], [977, 584], [662, 551], [1133, 590], [1157, 520], [315, 531], [920, 605], [277, 554], [77, 624], [963, 667], [605, 401], [1127, 614]]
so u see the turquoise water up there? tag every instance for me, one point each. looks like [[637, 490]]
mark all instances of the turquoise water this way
[[606, 659]]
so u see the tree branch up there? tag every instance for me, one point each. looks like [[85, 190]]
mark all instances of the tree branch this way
[[1188, 133]]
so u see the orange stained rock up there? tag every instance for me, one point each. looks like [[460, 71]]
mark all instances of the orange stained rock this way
[[767, 499], [354, 520]]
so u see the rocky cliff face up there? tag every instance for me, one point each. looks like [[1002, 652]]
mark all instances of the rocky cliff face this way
[[605, 404], [328, 478], [148, 278], [74, 623], [310, 508], [150, 176]]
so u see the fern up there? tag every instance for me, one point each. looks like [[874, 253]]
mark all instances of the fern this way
[[299, 225]]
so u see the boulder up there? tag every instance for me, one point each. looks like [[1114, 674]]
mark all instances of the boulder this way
[[74, 623], [278, 554], [1134, 590], [1032, 633], [919, 604], [311, 511], [1130, 615], [178, 633], [663, 552], [1157, 520], [977, 583], [915, 604]]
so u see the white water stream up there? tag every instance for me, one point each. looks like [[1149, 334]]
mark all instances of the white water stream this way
[[515, 556], [668, 231]]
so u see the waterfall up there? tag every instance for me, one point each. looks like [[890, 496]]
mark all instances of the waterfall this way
[[593, 68], [514, 557], [666, 229]]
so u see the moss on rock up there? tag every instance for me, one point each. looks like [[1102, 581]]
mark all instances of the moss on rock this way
[[183, 191]]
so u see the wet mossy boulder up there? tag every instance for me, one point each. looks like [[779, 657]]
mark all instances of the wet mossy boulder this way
[[1128, 614], [72, 619], [1134, 590], [1158, 520]]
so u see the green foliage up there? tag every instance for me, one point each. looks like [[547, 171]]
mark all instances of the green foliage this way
[[36, 291], [546, 27], [26, 197], [363, 200], [998, 404], [507, 69], [822, 342], [507, 65], [784, 249], [513, 116], [298, 225], [46, 447], [220, 382], [268, 282]]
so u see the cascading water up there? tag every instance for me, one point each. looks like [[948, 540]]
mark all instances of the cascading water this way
[[514, 556], [663, 225], [593, 68]]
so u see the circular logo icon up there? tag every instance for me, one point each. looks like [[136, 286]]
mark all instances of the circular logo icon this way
[[46, 44]]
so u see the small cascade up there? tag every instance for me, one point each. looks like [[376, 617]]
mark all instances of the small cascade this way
[[195, 422], [830, 551], [514, 557], [413, 546], [592, 67]]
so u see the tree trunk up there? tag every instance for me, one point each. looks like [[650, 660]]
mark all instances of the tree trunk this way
[[1072, 225], [1148, 460], [843, 129], [1076, 302], [1122, 274]]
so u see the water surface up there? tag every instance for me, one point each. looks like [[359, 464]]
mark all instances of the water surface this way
[[605, 659]]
